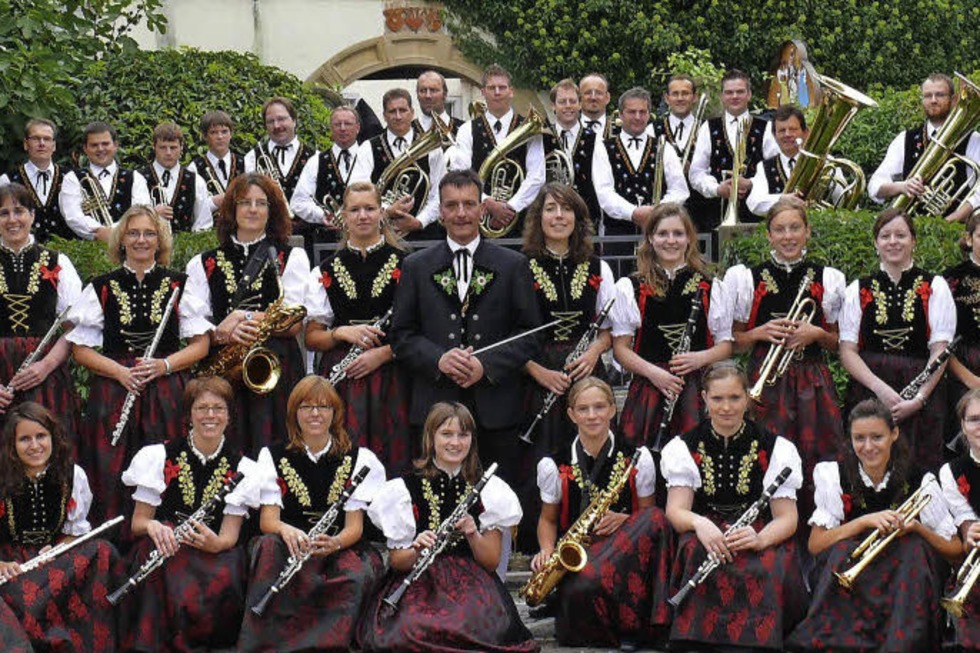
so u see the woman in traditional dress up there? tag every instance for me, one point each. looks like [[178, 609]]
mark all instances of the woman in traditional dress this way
[[253, 217], [44, 501], [319, 608], [964, 284], [892, 324], [611, 600], [714, 473], [120, 312], [893, 604], [458, 603], [350, 292], [960, 479], [572, 284], [36, 285], [801, 404], [196, 601], [652, 311]]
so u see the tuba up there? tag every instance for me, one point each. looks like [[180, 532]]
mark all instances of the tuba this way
[[94, 202], [257, 365], [937, 165], [503, 174], [815, 175], [403, 176]]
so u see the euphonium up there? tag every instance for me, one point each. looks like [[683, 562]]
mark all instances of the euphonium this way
[[873, 544], [814, 176], [730, 212], [779, 357], [966, 578], [569, 553], [558, 164], [94, 202], [403, 176], [504, 174], [937, 165]]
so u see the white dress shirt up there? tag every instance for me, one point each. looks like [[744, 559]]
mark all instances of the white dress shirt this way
[[425, 120], [285, 165], [201, 212], [305, 204], [32, 171], [674, 122], [701, 178], [463, 277], [599, 128], [70, 200]]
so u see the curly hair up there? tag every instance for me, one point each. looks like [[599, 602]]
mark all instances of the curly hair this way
[[278, 227], [580, 247], [60, 465]]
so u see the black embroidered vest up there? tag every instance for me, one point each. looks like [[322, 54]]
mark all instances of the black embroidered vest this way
[[966, 473], [37, 514], [864, 500], [722, 155], [133, 310], [568, 292], [360, 289], [48, 220], [573, 480], [223, 268], [964, 283], [894, 317], [664, 318], [582, 151], [661, 127], [775, 290], [182, 201], [309, 488], [633, 184], [189, 482], [732, 476], [434, 499], [775, 174], [120, 197], [484, 141], [329, 180], [384, 156], [204, 168], [289, 177], [28, 291]]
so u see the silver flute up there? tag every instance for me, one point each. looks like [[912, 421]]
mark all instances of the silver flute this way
[[55, 551]]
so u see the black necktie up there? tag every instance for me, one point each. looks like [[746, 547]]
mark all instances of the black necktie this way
[[104, 173], [400, 143], [591, 125], [165, 179], [635, 142], [43, 176], [932, 134], [680, 131], [462, 265], [496, 127], [345, 158], [564, 139], [792, 163], [280, 152], [223, 168]]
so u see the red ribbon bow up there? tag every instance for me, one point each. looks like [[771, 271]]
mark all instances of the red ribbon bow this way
[[396, 274], [170, 471], [326, 280], [283, 488], [595, 281], [846, 500], [763, 458], [866, 298], [51, 274], [209, 267], [963, 485]]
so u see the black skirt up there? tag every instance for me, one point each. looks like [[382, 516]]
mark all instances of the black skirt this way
[[643, 411], [318, 609], [455, 606], [620, 594], [57, 393], [62, 605], [893, 605]]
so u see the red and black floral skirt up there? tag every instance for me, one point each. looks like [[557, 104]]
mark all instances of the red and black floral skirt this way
[[318, 609], [644, 409], [753, 602], [456, 605], [13, 639], [157, 415], [62, 605], [57, 393], [621, 593], [376, 411], [194, 602], [923, 430], [893, 605]]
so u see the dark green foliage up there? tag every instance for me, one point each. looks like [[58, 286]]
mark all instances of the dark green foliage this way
[[136, 90]]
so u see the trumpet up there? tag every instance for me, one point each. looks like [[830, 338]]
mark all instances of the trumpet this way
[[779, 356], [873, 544], [333, 207], [159, 195], [94, 202], [730, 212], [211, 181], [966, 578], [264, 165]]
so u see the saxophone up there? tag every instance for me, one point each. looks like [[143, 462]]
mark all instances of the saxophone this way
[[570, 554]]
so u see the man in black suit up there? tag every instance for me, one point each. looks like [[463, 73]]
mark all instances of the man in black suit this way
[[459, 296]]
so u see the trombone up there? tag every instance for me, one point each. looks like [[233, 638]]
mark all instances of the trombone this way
[[966, 578], [729, 216], [94, 202], [873, 544]]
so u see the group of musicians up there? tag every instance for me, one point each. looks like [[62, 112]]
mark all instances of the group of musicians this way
[[459, 398]]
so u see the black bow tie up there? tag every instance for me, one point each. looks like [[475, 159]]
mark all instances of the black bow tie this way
[[280, 152], [591, 125], [345, 157], [43, 176], [462, 265], [104, 173], [400, 143], [792, 163], [679, 132], [635, 142]]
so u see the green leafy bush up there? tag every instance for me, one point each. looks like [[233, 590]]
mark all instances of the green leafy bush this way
[[137, 90]]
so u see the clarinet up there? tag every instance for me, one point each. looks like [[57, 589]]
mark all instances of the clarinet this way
[[323, 525], [150, 350], [33, 356], [156, 559], [912, 389], [583, 344], [445, 535], [747, 518], [55, 551], [339, 371], [683, 347]]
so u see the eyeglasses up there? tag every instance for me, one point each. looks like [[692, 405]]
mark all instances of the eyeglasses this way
[[134, 234], [255, 204], [214, 410], [973, 420], [309, 408], [41, 139]]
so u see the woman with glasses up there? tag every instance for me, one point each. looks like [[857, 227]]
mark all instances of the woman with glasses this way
[[44, 502], [349, 293], [239, 281], [619, 596], [120, 312], [893, 323], [894, 604], [37, 284], [319, 607], [197, 600]]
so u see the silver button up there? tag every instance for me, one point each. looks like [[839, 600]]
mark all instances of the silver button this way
[[452, 316], [452, 336], [476, 337], [475, 317]]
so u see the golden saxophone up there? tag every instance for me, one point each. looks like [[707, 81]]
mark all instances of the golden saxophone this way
[[570, 554]]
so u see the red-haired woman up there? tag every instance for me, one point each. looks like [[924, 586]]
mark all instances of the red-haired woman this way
[[318, 609], [348, 293], [253, 217]]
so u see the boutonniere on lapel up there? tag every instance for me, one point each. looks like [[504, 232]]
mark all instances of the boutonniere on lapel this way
[[480, 281], [446, 280]]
